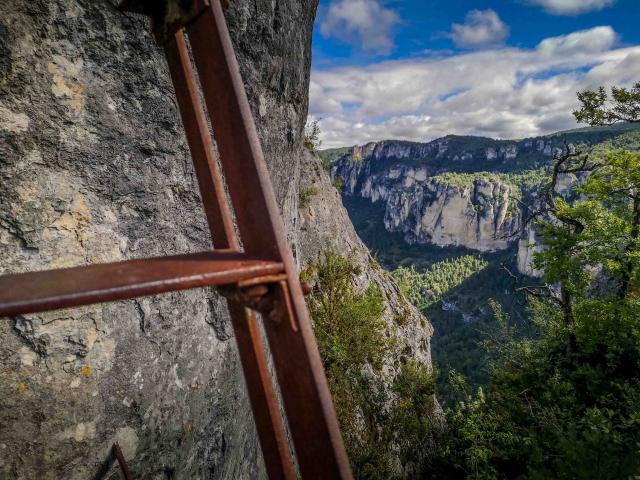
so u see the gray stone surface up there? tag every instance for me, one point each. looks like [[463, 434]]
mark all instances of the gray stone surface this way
[[94, 168]]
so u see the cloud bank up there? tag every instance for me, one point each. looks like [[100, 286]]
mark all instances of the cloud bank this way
[[501, 92]]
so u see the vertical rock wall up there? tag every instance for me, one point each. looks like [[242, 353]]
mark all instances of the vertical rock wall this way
[[94, 168]]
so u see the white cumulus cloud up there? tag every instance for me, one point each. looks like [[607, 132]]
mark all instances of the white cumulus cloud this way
[[501, 92], [598, 39], [365, 23], [572, 7], [480, 29]]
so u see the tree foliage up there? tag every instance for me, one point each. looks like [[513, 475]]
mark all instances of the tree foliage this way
[[597, 236], [567, 405], [598, 109], [385, 416]]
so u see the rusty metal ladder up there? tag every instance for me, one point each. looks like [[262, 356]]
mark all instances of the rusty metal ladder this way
[[261, 277]]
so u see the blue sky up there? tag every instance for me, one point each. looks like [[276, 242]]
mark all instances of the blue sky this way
[[419, 69]]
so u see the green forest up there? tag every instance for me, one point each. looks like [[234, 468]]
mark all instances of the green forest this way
[[427, 288]]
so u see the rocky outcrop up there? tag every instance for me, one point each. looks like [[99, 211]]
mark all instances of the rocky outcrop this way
[[528, 245], [504, 152], [530, 242], [93, 168]]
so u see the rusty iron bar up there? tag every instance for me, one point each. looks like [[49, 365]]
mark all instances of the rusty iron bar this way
[[274, 444], [122, 462], [205, 162], [307, 401], [264, 402], [32, 292], [250, 282]]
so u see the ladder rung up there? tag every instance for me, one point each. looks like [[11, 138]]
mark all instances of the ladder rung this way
[[32, 292]]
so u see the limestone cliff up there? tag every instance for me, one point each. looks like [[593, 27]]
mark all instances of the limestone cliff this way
[[528, 245], [94, 167], [529, 241], [480, 212], [458, 191], [475, 216]]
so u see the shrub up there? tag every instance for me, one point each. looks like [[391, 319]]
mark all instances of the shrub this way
[[382, 415], [312, 140], [349, 325], [306, 194]]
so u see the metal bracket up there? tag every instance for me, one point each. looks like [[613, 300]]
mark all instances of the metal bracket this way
[[168, 16], [268, 295]]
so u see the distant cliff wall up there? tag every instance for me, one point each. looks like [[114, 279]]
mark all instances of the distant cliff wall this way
[[477, 213], [454, 191]]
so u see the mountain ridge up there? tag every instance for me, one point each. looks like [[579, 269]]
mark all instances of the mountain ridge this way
[[621, 128]]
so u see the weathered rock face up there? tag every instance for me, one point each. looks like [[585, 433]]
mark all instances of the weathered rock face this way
[[480, 214], [93, 168], [476, 216]]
